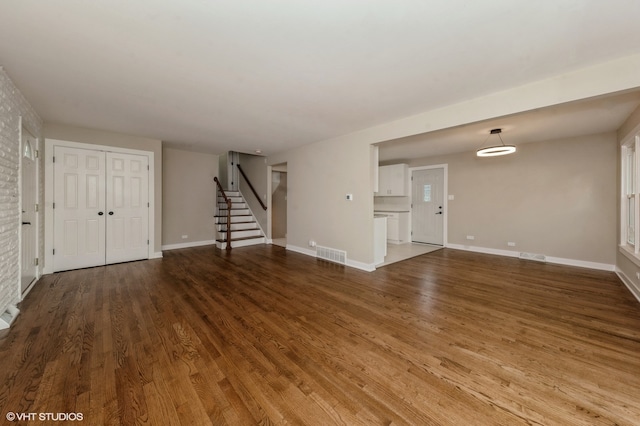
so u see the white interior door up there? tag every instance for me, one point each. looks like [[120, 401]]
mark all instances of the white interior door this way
[[79, 208], [28, 229], [127, 207], [427, 206]]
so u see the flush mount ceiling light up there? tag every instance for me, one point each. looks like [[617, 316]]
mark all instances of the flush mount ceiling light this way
[[495, 150]]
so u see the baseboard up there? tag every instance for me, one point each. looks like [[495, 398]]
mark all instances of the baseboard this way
[[301, 250], [187, 245], [635, 290], [368, 267], [156, 255], [31, 286], [549, 259]]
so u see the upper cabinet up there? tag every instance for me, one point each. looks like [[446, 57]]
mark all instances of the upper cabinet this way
[[392, 181]]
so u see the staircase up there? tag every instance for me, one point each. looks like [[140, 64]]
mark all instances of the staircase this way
[[244, 228]]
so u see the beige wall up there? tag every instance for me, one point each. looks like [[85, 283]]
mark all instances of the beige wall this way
[[319, 176], [188, 196], [99, 137], [555, 198], [255, 167]]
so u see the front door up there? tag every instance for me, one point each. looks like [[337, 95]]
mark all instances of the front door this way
[[427, 206], [28, 217]]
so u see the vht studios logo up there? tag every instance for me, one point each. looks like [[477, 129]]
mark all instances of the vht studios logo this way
[[43, 417]]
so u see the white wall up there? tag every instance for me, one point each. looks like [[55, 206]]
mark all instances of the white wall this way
[[13, 105]]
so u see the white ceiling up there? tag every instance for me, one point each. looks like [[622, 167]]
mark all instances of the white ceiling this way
[[271, 75]]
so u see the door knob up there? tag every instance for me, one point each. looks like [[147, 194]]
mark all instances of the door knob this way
[[110, 213], [439, 213], [26, 223], [100, 213]]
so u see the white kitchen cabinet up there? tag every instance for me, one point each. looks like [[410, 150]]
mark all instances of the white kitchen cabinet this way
[[379, 239], [392, 181], [397, 226]]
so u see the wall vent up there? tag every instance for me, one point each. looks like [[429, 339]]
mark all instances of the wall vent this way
[[332, 255], [533, 256], [8, 316]]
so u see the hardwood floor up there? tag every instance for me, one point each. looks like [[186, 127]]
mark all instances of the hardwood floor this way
[[265, 336]]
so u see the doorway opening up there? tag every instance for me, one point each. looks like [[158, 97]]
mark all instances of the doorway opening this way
[[29, 211], [279, 205]]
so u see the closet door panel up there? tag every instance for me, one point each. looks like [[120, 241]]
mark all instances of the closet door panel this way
[[79, 197]]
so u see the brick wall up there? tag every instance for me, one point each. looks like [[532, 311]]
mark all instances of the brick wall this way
[[13, 105]]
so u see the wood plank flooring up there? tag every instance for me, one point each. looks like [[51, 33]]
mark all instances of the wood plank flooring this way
[[265, 336]]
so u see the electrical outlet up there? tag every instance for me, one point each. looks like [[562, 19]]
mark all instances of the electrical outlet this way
[[470, 237], [349, 197], [511, 244], [184, 237]]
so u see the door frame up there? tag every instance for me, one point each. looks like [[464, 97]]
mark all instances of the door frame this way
[[445, 199], [50, 144], [280, 167], [36, 216]]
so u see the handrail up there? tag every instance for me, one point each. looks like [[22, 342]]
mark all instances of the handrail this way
[[228, 201], [252, 188]]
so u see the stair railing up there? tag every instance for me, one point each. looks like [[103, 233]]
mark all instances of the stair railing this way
[[228, 201], [251, 187]]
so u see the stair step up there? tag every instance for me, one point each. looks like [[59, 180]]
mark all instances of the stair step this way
[[234, 205], [243, 233], [220, 220], [240, 242], [234, 212], [244, 229], [237, 226]]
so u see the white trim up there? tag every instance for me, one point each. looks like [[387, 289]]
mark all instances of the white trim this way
[[50, 144], [635, 290], [301, 250], [367, 267], [36, 219], [156, 255], [187, 245], [629, 254], [549, 259], [445, 199], [9, 316], [29, 288]]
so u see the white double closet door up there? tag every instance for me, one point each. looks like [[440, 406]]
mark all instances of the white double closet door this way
[[101, 208]]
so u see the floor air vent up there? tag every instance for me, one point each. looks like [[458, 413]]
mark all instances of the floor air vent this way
[[332, 255], [533, 256]]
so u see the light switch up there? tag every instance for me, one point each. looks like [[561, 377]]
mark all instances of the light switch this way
[[349, 197]]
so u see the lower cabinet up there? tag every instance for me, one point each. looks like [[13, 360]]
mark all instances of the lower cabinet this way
[[398, 227]]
